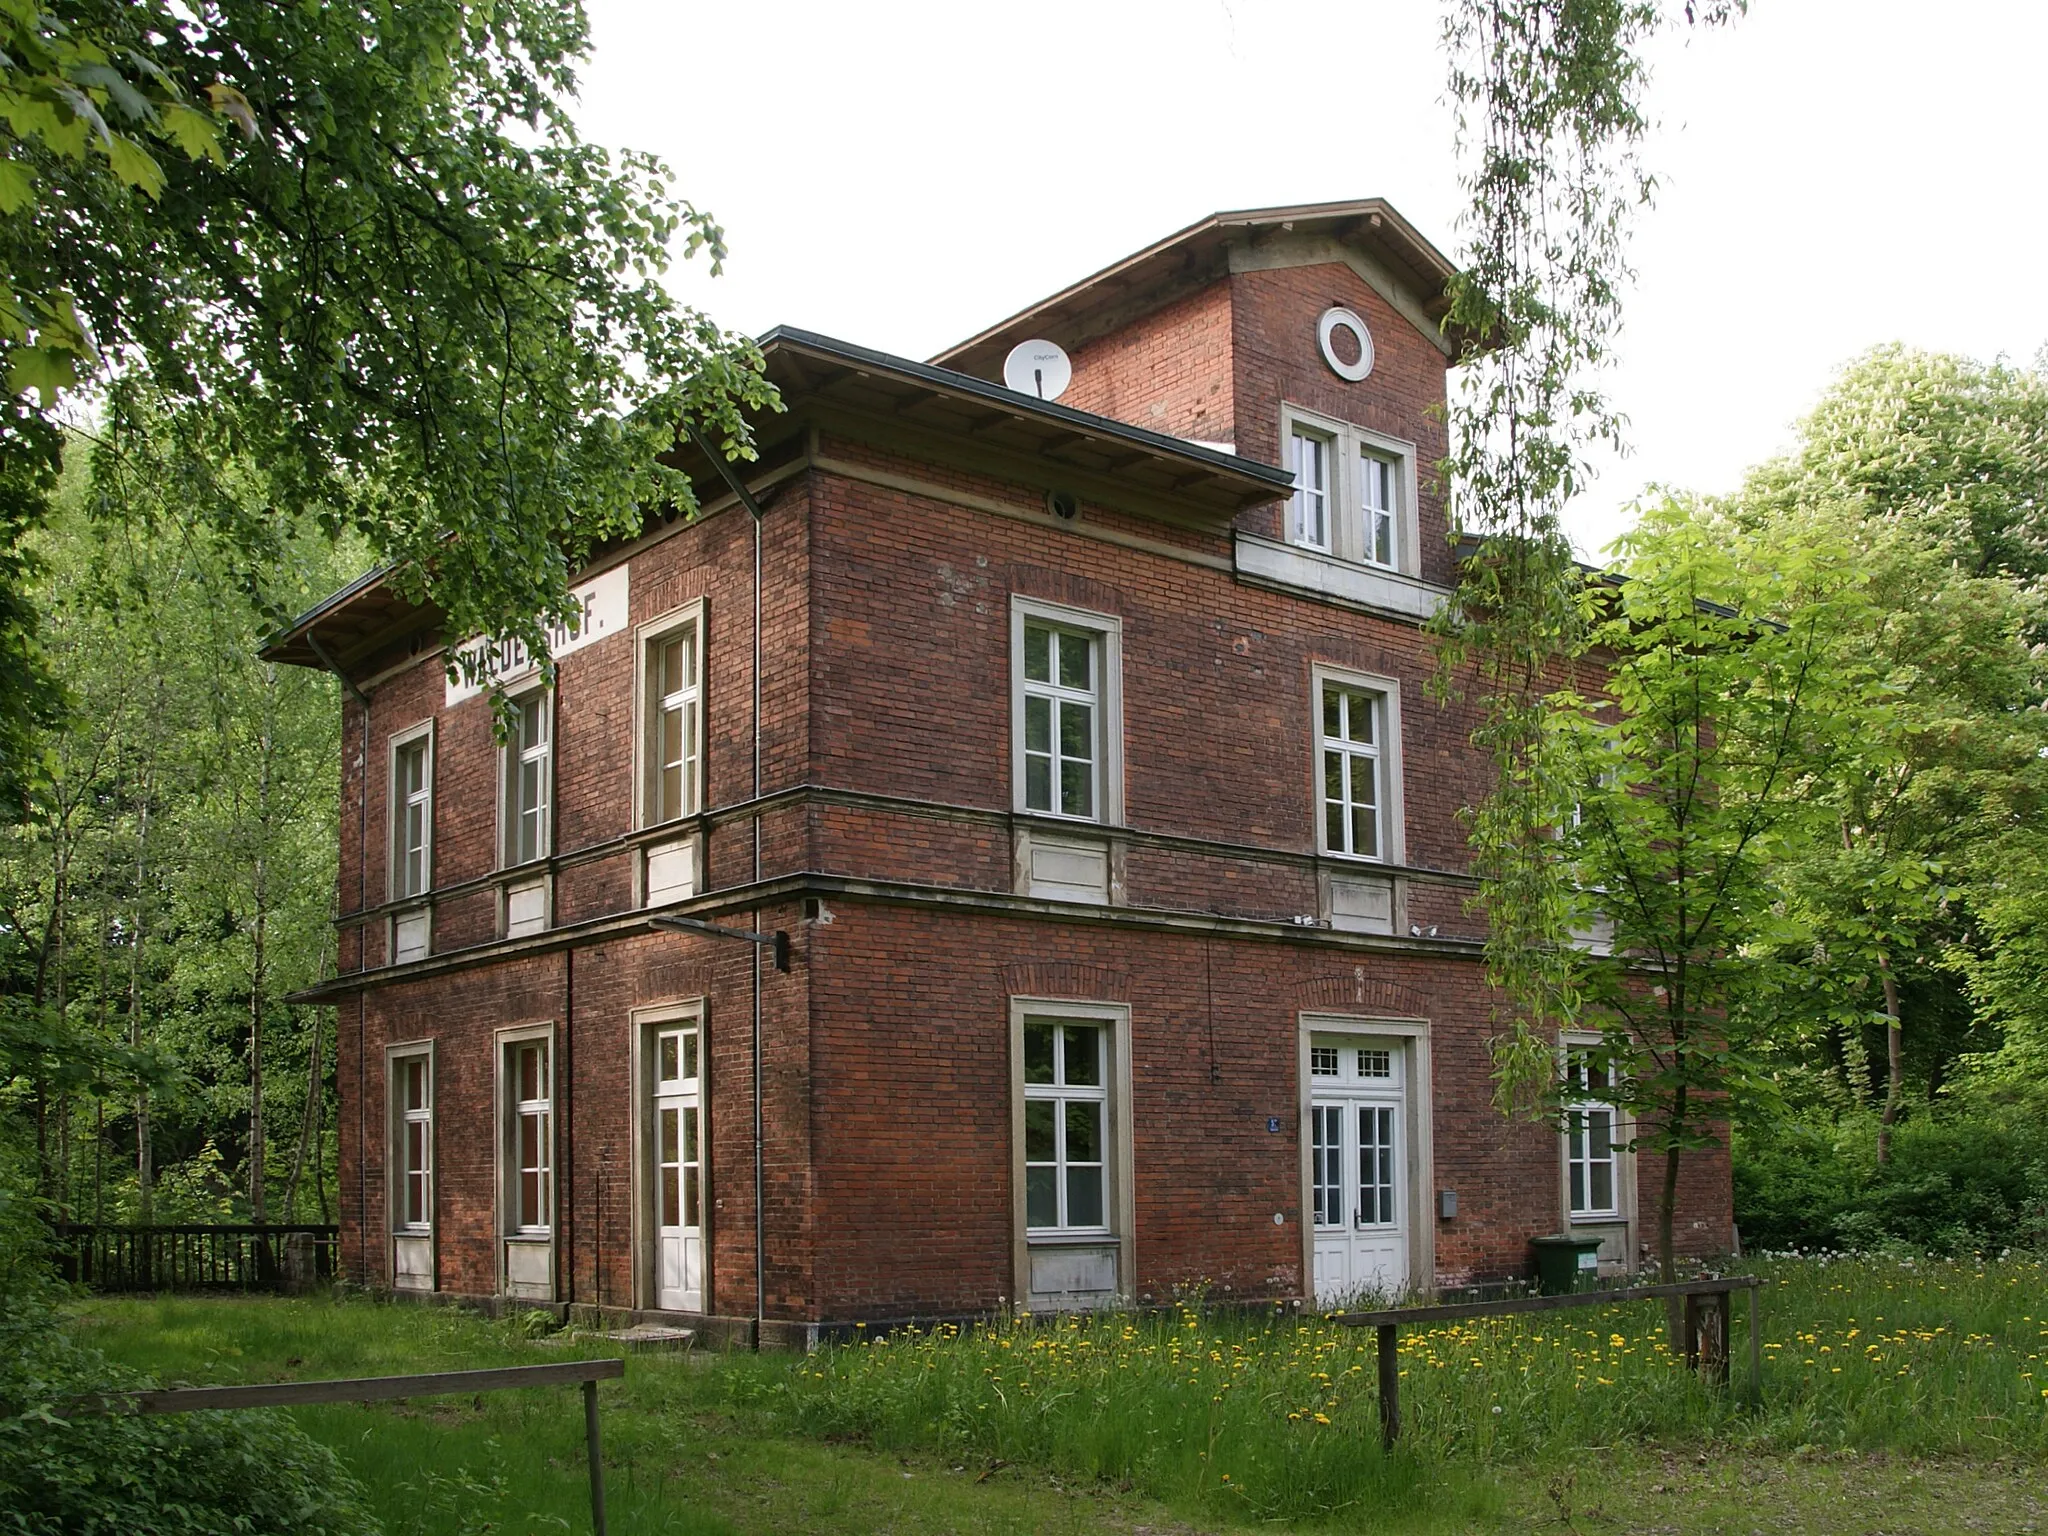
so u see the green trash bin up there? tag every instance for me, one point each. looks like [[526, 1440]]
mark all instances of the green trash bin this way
[[1565, 1263]]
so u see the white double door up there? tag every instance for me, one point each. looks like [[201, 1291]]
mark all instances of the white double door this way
[[676, 1138], [1358, 1168]]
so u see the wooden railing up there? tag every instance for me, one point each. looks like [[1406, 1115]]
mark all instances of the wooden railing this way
[[196, 1257], [1704, 1333], [384, 1389]]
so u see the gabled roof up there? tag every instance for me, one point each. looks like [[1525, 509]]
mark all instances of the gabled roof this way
[[881, 395], [1199, 255]]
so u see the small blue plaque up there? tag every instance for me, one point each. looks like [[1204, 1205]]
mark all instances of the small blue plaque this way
[[1273, 1123]]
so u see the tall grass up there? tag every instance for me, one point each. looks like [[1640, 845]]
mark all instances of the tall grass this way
[[1276, 1417]]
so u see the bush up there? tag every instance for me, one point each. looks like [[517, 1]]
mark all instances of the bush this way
[[71, 1471], [1969, 1176]]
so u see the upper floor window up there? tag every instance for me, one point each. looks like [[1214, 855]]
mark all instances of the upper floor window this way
[[1358, 765], [1066, 731], [1309, 512], [1352, 791], [1354, 491], [1377, 480], [528, 775], [671, 662], [412, 813]]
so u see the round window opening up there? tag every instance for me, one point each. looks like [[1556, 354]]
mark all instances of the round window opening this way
[[1346, 343]]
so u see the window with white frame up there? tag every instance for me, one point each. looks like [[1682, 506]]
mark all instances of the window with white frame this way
[[1349, 744], [1065, 707], [528, 754], [1354, 491], [1309, 511], [412, 1152], [1592, 1164], [1066, 1125], [671, 662], [412, 815], [529, 1137], [1377, 482]]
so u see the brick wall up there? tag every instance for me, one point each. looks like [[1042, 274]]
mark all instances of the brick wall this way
[[886, 762]]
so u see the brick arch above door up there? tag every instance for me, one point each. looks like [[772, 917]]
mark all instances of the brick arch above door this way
[[1356, 992]]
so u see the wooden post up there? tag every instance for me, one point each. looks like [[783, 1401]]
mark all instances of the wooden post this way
[[596, 1458], [1714, 1310], [1756, 1347], [1390, 1387], [1691, 1331]]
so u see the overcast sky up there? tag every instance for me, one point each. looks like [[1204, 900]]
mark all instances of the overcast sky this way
[[1835, 174]]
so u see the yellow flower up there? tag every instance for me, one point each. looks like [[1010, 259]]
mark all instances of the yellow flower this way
[[1322, 1418]]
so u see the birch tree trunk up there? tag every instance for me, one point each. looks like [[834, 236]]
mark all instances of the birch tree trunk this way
[[145, 1204], [266, 751], [1894, 1047]]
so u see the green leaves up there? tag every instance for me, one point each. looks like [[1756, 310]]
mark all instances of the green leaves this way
[[372, 246]]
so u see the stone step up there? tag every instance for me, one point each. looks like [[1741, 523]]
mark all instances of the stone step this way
[[651, 1336]]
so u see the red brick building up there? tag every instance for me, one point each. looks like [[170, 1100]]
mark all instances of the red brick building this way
[[1082, 751]]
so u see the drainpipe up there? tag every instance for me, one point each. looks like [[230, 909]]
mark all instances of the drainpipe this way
[[760, 1188]]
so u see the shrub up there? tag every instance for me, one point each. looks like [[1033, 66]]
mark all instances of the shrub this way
[[63, 1470], [1965, 1177]]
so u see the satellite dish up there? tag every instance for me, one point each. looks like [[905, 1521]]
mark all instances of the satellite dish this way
[[1038, 368]]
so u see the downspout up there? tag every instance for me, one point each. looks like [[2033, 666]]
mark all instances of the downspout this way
[[746, 498], [760, 1183], [565, 1193]]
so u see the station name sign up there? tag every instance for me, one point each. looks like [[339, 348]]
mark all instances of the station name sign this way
[[602, 603]]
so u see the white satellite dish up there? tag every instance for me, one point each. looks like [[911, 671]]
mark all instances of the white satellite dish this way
[[1039, 368]]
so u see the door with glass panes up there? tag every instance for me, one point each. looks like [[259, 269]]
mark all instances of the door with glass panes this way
[[1358, 1157], [676, 1136]]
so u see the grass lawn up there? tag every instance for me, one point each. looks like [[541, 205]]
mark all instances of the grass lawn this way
[[1898, 1399]]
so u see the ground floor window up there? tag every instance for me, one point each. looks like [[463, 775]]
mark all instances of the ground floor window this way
[[1066, 1129], [412, 1151], [1592, 1164], [528, 1111], [1071, 1141]]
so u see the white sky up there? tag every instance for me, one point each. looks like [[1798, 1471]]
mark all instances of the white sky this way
[[1835, 174]]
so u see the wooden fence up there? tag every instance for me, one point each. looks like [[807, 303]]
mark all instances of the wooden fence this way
[[384, 1389], [1705, 1330], [196, 1257]]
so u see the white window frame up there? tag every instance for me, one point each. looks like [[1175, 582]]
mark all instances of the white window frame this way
[[1061, 1092], [1580, 1099], [1299, 504], [510, 756], [397, 802], [1107, 632], [1349, 445], [1392, 810], [1119, 1204], [648, 811], [402, 1117], [511, 1111]]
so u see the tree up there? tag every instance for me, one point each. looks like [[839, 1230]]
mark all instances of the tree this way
[[1952, 451], [171, 876], [1683, 781], [368, 243], [1550, 106], [1944, 759]]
